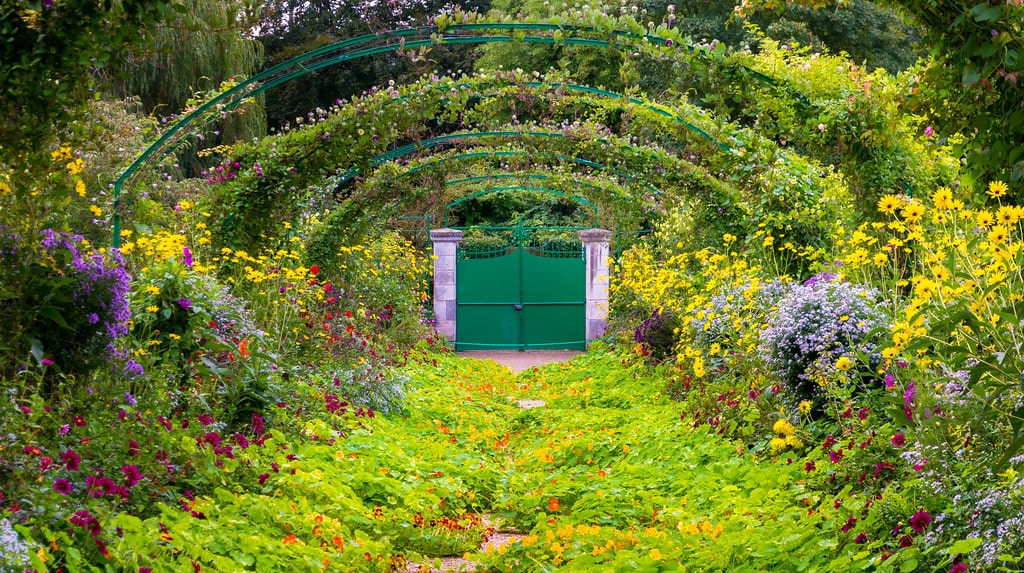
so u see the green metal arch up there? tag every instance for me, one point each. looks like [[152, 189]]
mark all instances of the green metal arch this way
[[432, 142], [518, 188], [326, 56]]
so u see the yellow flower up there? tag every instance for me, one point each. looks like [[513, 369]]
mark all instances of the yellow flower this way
[[95, 210], [888, 204], [805, 407], [62, 153], [997, 189], [998, 235], [984, 219], [4, 188], [777, 444], [152, 308], [656, 554], [75, 167], [880, 259], [942, 198], [1007, 215], [152, 289], [912, 212], [783, 427], [844, 364], [80, 188]]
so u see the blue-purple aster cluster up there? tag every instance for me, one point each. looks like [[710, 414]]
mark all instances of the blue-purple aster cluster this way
[[91, 298]]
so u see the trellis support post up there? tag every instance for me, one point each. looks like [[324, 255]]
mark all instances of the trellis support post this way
[[596, 243], [446, 243]]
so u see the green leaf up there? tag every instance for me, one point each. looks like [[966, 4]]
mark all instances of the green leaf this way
[[986, 12], [908, 565], [53, 314], [970, 76], [963, 546]]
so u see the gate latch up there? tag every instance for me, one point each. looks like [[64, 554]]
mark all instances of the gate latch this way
[[517, 306]]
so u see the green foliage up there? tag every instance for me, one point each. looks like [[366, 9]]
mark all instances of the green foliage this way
[[49, 50]]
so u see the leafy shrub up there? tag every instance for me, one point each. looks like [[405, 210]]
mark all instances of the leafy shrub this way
[[818, 329]]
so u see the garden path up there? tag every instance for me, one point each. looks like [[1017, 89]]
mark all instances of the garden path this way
[[519, 360]]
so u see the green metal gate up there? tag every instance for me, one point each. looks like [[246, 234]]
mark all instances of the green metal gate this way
[[520, 291]]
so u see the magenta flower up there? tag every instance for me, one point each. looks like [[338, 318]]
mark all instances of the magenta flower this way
[[929, 131], [898, 439], [958, 568], [184, 303], [132, 475], [920, 521], [62, 486], [71, 460], [186, 257]]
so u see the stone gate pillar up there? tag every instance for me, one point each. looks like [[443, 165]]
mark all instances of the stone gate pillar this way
[[446, 242], [596, 241]]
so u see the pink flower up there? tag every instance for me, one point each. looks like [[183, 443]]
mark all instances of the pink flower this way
[[958, 568], [920, 465], [898, 439]]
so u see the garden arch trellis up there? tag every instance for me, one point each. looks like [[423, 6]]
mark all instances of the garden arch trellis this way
[[454, 29]]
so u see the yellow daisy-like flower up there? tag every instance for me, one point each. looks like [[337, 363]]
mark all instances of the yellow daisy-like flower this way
[[844, 364], [1007, 215], [152, 289], [942, 198], [4, 188], [997, 189], [152, 308], [880, 259], [80, 188], [913, 212], [889, 203], [805, 407], [998, 235], [984, 219], [95, 210]]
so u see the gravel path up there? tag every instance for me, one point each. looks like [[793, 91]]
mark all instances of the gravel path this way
[[519, 360]]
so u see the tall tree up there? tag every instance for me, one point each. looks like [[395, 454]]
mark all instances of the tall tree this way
[[206, 43]]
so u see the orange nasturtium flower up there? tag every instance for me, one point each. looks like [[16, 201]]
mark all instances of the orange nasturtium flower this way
[[243, 348], [553, 504], [290, 540]]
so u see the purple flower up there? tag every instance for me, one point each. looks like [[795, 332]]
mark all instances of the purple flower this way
[[186, 257], [62, 486], [184, 303], [64, 429], [920, 521], [131, 399]]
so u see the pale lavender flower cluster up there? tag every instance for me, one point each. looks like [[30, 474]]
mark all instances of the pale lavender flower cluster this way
[[750, 302], [817, 323], [13, 551]]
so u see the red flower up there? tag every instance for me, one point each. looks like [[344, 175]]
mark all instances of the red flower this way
[[314, 270]]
